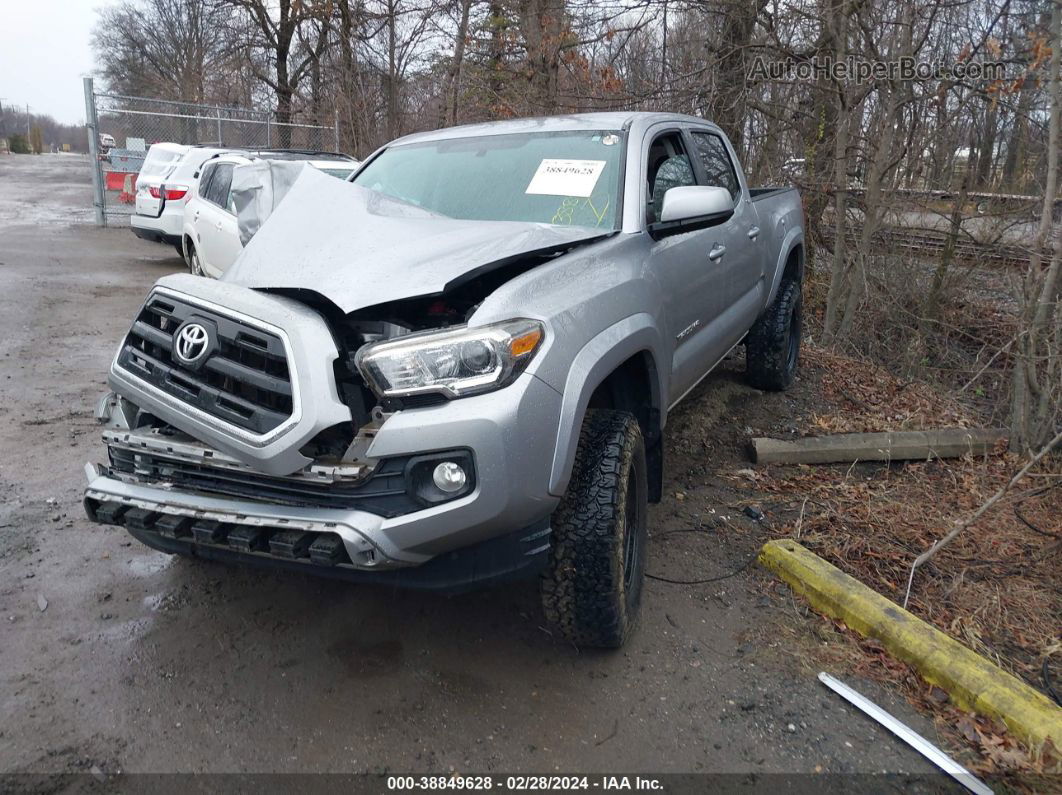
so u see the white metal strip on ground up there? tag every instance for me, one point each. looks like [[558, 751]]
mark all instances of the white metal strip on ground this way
[[908, 735]]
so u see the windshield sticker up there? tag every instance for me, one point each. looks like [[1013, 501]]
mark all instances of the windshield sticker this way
[[610, 140], [566, 178]]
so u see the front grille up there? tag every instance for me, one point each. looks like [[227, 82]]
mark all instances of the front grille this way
[[384, 493], [243, 380]]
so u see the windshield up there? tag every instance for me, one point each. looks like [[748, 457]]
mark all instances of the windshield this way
[[567, 179]]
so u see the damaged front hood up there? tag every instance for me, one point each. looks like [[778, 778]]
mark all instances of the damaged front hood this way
[[359, 248]]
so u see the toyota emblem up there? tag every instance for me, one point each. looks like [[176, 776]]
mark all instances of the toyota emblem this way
[[191, 343]]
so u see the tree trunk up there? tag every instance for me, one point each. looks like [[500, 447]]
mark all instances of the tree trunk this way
[[454, 77], [1036, 395], [739, 22], [391, 87], [345, 84], [1012, 179], [988, 147], [542, 25], [838, 263], [495, 60]]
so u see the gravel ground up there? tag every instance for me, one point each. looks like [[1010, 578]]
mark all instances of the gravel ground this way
[[117, 657]]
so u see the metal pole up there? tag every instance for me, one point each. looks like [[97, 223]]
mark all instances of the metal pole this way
[[908, 735], [218, 109], [269, 140], [92, 126], [336, 123]]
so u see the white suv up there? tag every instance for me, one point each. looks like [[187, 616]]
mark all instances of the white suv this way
[[147, 222], [211, 239], [164, 185]]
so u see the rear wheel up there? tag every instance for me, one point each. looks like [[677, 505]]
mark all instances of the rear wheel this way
[[194, 266], [592, 589], [772, 350]]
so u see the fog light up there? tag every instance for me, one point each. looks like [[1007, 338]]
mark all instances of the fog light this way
[[449, 477]]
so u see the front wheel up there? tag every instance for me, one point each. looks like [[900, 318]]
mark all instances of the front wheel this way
[[592, 589]]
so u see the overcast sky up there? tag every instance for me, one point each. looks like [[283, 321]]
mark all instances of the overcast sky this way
[[44, 53]]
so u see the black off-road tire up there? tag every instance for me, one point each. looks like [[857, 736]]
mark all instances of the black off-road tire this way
[[592, 589], [772, 349]]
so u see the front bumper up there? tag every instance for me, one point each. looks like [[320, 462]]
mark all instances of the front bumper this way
[[504, 431], [237, 538]]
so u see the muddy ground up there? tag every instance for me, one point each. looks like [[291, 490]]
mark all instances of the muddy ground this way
[[117, 657]]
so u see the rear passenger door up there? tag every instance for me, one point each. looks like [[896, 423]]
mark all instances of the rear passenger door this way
[[214, 220], [740, 271]]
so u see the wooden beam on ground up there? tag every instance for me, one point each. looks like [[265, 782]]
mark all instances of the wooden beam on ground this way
[[892, 446]]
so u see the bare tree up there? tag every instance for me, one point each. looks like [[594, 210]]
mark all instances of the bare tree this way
[[174, 49], [1037, 389], [275, 31]]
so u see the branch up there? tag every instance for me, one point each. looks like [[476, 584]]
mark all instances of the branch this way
[[933, 550]]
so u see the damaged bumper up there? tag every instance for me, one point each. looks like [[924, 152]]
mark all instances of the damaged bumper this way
[[340, 523], [308, 542]]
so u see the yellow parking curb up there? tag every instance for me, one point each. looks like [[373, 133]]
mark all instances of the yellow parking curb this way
[[973, 682]]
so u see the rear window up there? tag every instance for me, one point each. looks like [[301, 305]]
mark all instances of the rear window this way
[[159, 162], [342, 173]]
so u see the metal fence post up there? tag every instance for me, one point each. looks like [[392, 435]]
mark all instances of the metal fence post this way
[[92, 126], [218, 109], [336, 124], [269, 141]]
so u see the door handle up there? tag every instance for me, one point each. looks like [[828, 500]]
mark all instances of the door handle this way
[[754, 232], [717, 252]]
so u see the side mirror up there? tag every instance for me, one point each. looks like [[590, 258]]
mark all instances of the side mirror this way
[[695, 201]]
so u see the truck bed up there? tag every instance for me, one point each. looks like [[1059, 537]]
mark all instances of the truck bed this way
[[762, 193]]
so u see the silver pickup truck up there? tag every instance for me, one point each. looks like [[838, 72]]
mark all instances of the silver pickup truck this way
[[458, 365]]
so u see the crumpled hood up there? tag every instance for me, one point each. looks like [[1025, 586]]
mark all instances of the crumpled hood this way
[[359, 248]]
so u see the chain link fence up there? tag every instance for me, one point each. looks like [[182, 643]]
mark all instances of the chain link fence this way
[[121, 129]]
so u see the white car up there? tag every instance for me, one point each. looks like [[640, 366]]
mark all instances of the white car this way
[[162, 189], [211, 239]]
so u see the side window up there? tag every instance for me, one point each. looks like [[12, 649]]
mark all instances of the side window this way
[[218, 190], [668, 167], [204, 179], [717, 166]]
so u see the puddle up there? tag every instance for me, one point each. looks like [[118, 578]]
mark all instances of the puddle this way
[[126, 630], [152, 563], [368, 659]]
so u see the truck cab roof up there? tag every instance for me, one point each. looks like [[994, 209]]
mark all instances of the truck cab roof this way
[[611, 120]]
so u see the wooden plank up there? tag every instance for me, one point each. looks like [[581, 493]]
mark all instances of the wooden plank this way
[[891, 446]]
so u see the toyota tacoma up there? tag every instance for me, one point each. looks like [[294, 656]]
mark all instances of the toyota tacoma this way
[[457, 366]]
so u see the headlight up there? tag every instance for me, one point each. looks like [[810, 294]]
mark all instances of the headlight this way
[[456, 363]]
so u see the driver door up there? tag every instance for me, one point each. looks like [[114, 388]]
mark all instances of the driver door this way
[[691, 285]]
